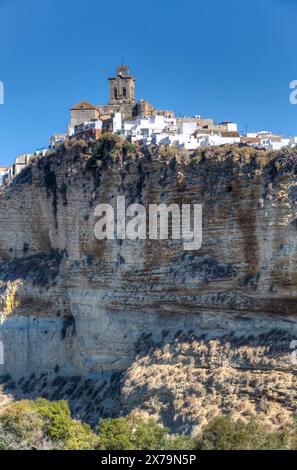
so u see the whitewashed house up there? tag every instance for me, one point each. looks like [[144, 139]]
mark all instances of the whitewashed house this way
[[269, 141], [278, 144], [21, 162], [4, 174], [143, 128], [188, 142], [187, 128], [229, 126], [222, 138], [91, 129], [117, 122]]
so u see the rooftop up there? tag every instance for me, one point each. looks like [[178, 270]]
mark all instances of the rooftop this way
[[83, 105]]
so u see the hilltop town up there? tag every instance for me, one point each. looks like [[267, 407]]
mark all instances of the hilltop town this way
[[141, 121]]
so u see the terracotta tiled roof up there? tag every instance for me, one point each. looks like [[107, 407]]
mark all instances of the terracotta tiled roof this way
[[83, 105]]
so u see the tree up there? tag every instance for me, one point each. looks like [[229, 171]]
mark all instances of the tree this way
[[21, 427], [223, 433], [148, 435], [115, 434], [111, 147], [42, 424], [181, 443], [131, 433]]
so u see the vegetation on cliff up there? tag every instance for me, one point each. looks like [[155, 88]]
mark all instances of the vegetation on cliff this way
[[45, 425]]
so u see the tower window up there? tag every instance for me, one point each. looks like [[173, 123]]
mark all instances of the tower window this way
[[115, 91], [124, 92]]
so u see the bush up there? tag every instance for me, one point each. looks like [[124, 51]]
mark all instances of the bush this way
[[111, 146], [56, 417], [223, 433], [181, 443], [21, 427], [114, 434], [148, 435], [80, 437], [129, 149], [42, 424], [131, 433]]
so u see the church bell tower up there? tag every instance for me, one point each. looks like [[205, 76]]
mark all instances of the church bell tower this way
[[122, 87]]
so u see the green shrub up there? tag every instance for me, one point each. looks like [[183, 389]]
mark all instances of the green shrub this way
[[131, 433], [111, 146], [56, 417], [223, 433], [80, 437], [115, 434], [59, 426], [43, 424], [129, 149], [20, 426], [148, 435], [181, 443]]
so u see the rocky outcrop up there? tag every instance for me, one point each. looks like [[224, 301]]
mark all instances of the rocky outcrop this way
[[145, 324]]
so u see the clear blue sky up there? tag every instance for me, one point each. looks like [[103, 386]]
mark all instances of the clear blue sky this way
[[230, 60]]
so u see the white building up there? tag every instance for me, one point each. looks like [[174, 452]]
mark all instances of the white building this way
[[117, 122], [21, 162], [89, 125], [222, 138], [229, 126], [4, 174], [188, 142], [187, 128], [142, 128], [90, 129], [278, 144], [184, 133], [269, 141]]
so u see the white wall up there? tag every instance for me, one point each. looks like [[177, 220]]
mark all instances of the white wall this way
[[187, 128], [117, 122], [144, 127], [230, 126], [219, 140]]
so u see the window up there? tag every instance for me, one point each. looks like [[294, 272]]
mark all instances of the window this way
[[115, 91], [124, 92]]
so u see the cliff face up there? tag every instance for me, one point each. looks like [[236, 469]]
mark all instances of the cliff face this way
[[119, 325]]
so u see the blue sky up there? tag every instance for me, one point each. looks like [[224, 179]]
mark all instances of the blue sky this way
[[230, 60]]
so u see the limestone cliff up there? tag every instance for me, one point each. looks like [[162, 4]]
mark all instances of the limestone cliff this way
[[121, 325]]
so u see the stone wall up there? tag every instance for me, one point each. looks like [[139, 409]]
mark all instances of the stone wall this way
[[79, 116]]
